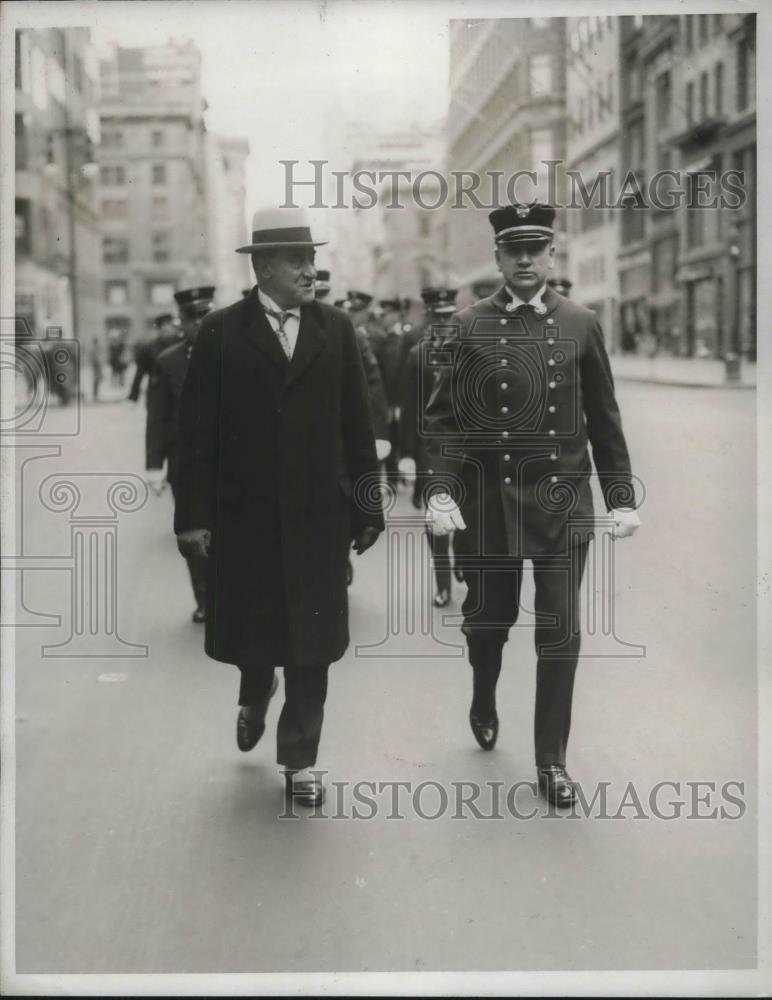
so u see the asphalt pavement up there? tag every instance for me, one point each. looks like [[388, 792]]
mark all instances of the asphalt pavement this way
[[146, 842]]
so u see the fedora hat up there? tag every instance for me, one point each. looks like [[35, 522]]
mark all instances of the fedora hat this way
[[273, 228]]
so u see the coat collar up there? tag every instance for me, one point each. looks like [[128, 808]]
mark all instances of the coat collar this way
[[260, 333], [501, 299]]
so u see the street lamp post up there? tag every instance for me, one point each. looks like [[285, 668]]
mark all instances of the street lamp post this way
[[732, 356]]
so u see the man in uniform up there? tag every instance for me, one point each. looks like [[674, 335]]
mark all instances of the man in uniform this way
[[389, 348], [379, 410], [418, 382], [166, 334], [167, 379], [561, 285], [527, 386], [277, 455]]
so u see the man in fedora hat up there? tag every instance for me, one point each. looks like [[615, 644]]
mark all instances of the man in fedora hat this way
[[526, 388], [276, 435], [167, 379]]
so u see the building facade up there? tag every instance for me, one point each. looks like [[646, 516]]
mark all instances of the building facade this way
[[507, 114], [226, 205], [152, 179], [58, 264], [594, 165]]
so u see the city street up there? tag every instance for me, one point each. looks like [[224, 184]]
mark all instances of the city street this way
[[147, 843]]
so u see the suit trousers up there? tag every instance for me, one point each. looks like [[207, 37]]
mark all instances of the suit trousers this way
[[440, 549], [491, 608], [300, 723]]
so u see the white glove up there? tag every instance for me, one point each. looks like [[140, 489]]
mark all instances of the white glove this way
[[626, 522], [156, 480], [406, 469], [443, 515], [382, 448]]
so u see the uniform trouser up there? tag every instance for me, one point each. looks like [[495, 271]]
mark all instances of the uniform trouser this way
[[391, 462], [440, 549], [300, 722], [491, 609]]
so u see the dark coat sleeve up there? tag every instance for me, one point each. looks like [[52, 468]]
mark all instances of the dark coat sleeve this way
[[441, 418], [144, 361], [410, 403], [198, 435], [375, 389], [604, 424], [159, 406], [358, 437]]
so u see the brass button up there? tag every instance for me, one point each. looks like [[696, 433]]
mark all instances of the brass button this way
[[504, 361], [505, 385], [506, 458], [550, 341], [507, 480], [554, 456], [551, 409], [552, 385], [503, 340], [505, 409], [551, 362], [552, 432], [505, 434], [553, 479], [550, 320], [503, 322]]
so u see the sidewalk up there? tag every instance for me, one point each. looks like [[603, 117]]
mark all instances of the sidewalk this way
[[706, 373]]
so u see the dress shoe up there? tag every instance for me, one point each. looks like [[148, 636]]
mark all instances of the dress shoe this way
[[250, 724], [304, 787], [556, 785], [486, 732], [459, 575], [442, 599], [199, 615]]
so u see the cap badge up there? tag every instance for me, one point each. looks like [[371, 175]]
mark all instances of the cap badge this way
[[523, 211]]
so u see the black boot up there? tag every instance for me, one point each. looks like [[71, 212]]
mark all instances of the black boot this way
[[485, 659]]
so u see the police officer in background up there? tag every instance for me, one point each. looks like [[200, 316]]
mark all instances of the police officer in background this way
[[418, 382], [166, 334], [376, 393], [561, 285], [163, 404], [528, 388], [389, 348]]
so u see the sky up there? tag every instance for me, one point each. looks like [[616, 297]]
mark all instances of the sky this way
[[287, 75]]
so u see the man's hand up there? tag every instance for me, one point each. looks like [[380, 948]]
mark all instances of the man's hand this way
[[194, 543], [406, 468], [443, 515], [364, 538], [156, 480], [382, 449], [626, 522]]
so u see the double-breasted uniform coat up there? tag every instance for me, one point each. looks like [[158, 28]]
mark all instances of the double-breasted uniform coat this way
[[271, 452], [518, 400]]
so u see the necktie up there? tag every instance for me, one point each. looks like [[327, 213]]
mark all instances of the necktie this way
[[281, 318]]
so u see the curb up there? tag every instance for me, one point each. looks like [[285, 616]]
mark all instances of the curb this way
[[648, 380]]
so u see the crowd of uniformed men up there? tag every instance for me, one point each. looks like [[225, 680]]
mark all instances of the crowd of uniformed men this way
[[274, 414]]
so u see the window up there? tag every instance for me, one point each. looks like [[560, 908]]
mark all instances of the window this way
[[690, 103], [703, 96], [115, 208], [116, 293], [160, 293], [703, 29], [22, 151], [539, 22], [633, 222], [23, 234], [664, 98], [689, 32], [157, 138], [540, 75], [112, 138], [695, 217], [744, 69], [115, 250], [159, 206], [161, 247], [112, 175], [718, 89], [159, 173]]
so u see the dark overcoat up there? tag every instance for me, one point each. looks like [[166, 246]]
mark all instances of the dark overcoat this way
[[167, 378], [517, 400], [270, 453]]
